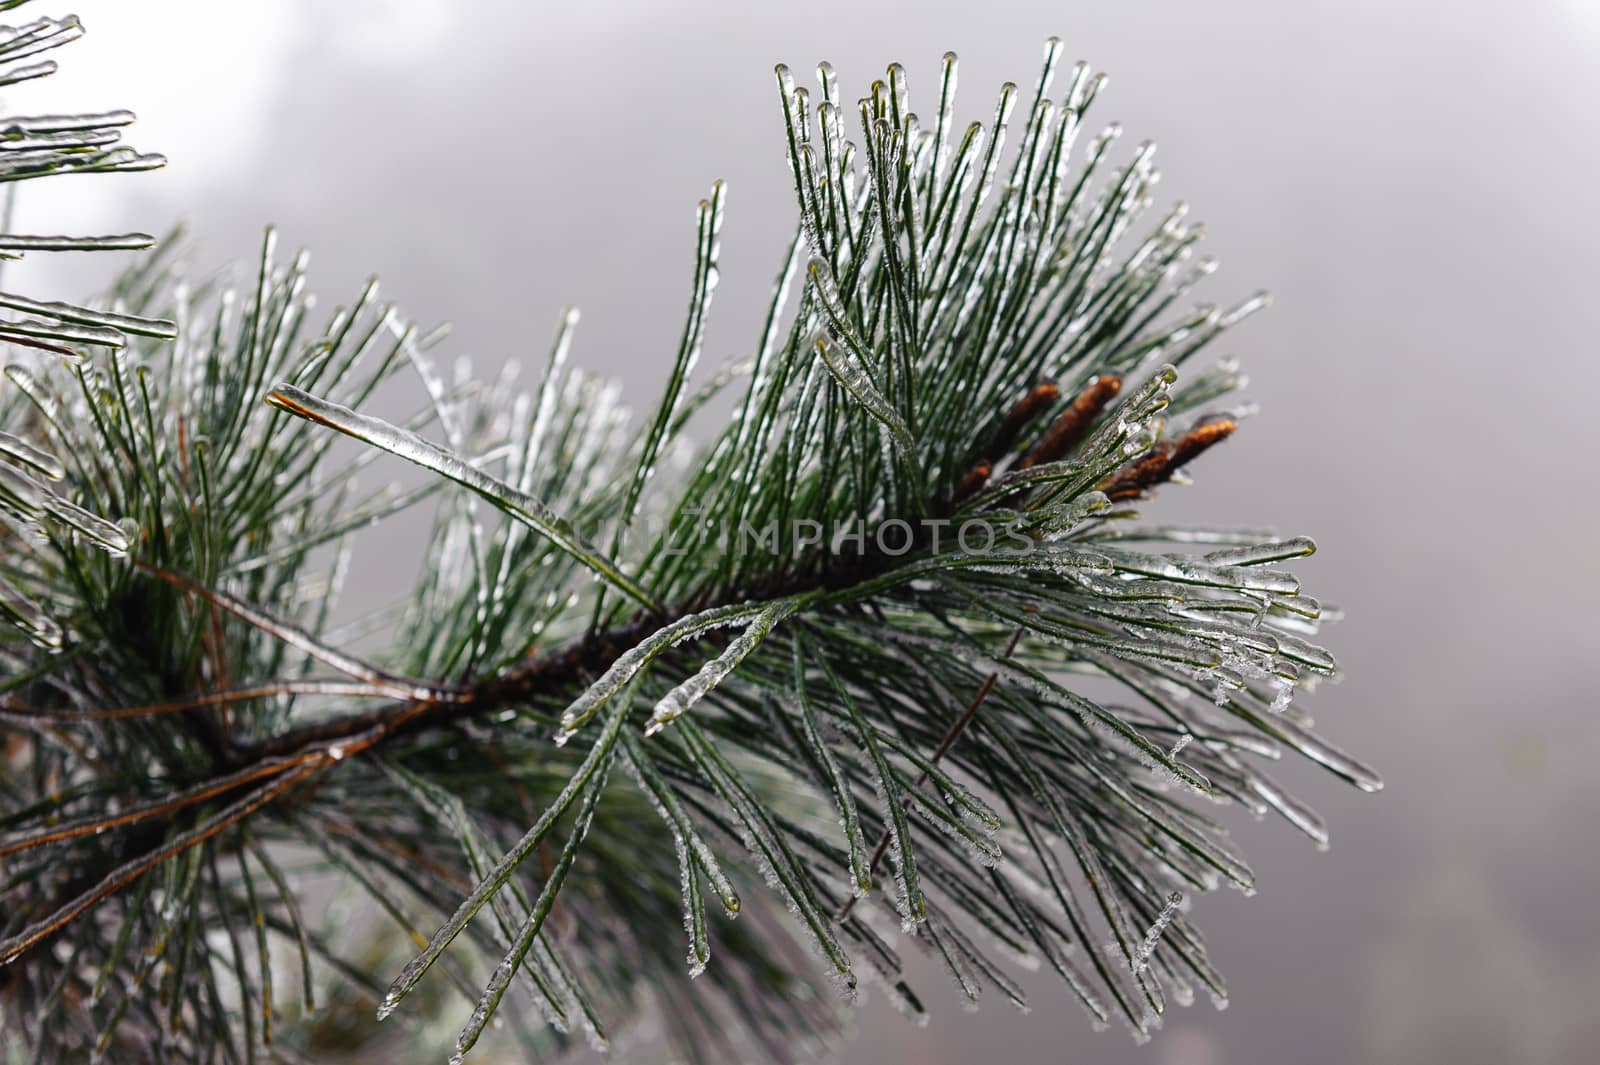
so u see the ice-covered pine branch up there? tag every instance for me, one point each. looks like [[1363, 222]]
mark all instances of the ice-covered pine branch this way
[[34, 147], [896, 641]]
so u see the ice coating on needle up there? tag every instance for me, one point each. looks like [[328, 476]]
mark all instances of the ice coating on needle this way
[[683, 697]]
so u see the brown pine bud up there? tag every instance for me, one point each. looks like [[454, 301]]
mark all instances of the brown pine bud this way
[[1162, 461], [1069, 429], [974, 481], [1017, 418]]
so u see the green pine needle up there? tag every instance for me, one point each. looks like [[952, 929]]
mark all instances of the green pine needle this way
[[896, 640]]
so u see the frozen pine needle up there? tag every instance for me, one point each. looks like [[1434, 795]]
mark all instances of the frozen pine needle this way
[[891, 647]]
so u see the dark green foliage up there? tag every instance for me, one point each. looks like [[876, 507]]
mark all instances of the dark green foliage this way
[[1000, 742]]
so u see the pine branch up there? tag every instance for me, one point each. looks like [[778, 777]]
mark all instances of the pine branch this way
[[932, 618], [35, 147]]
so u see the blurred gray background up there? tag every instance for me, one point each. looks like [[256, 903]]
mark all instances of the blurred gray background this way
[[1415, 183]]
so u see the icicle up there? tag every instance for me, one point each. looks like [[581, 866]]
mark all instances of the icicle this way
[[31, 502], [947, 98], [411, 447], [22, 453], [99, 320], [1293, 810], [856, 378], [685, 695], [1261, 554], [630, 662], [30, 618], [1199, 571]]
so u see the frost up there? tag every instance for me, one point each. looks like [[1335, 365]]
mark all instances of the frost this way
[[688, 846], [982, 848], [1323, 752], [1147, 947], [1169, 772]]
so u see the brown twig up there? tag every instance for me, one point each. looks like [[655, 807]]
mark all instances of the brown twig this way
[[15, 947], [391, 684], [945, 744], [221, 697], [91, 826]]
